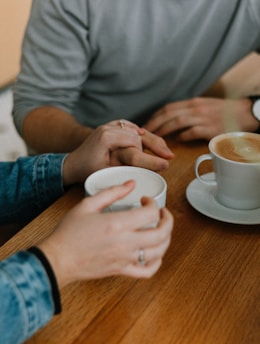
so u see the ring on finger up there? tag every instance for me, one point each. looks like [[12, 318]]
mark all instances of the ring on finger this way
[[122, 123], [141, 257]]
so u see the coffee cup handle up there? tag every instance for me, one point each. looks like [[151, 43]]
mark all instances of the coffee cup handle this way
[[199, 160]]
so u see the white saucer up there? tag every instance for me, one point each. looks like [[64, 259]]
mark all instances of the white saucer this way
[[202, 198]]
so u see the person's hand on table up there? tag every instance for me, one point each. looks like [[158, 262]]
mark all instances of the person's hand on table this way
[[134, 156], [113, 144], [88, 244], [203, 118]]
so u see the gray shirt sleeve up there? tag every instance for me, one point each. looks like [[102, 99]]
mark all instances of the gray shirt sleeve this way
[[103, 60], [63, 47]]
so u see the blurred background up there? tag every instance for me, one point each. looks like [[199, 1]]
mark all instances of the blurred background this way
[[13, 17], [242, 80]]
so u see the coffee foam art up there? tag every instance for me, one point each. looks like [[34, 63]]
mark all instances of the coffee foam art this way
[[244, 150], [241, 148]]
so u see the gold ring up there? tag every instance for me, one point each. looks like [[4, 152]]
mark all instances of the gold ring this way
[[122, 123]]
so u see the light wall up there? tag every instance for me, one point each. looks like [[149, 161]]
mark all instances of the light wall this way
[[13, 18]]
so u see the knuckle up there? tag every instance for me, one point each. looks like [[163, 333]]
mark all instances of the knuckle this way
[[103, 128], [134, 160], [162, 236], [112, 227], [195, 131], [104, 132], [180, 121], [168, 107], [202, 110], [149, 273], [121, 248], [160, 140], [194, 102], [138, 141]]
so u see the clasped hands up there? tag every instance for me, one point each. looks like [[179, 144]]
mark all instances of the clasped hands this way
[[121, 142], [113, 145]]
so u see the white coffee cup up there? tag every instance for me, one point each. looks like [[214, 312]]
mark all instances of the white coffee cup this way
[[236, 163], [148, 183]]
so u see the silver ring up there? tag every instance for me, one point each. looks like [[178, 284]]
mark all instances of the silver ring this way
[[122, 123], [141, 257]]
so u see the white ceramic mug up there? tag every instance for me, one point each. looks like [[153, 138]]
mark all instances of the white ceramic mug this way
[[236, 163], [148, 183]]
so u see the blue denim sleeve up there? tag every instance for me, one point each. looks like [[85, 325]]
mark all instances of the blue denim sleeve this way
[[26, 301], [28, 186]]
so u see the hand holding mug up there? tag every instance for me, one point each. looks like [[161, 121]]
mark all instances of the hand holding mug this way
[[89, 244]]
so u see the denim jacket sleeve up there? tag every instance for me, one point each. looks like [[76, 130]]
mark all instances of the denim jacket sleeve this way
[[28, 186], [26, 301]]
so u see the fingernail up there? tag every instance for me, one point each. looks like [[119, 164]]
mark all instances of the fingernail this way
[[129, 182], [141, 131]]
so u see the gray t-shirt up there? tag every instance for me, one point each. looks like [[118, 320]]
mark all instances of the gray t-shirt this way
[[107, 59]]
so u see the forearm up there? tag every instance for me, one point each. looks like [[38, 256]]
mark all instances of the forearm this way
[[49, 129]]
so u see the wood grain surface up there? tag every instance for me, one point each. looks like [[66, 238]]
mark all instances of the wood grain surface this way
[[207, 290]]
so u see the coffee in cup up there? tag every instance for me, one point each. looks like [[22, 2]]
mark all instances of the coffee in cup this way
[[236, 163], [241, 148]]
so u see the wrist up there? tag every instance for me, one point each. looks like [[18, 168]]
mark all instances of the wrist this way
[[57, 261], [51, 275], [74, 166], [67, 171], [73, 170]]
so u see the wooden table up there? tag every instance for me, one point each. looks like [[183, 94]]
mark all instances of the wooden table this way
[[207, 290]]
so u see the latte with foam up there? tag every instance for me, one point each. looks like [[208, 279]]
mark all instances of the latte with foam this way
[[236, 163], [244, 148]]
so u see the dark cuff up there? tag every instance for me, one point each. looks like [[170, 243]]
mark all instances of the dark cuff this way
[[254, 98], [55, 290]]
